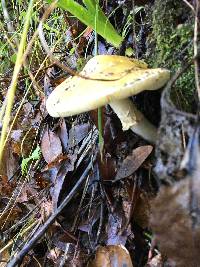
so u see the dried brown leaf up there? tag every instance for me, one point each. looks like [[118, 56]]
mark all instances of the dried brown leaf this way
[[141, 213], [28, 192], [46, 209], [133, 162], [24, 145], [9, 163], [63, 134], [55, 163], [107, 167], [50, 146], [55, 255], [40, 181], [6, 187], [57, 176]]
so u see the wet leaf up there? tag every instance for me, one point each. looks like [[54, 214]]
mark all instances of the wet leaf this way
[[50, 146], [141, 213], [77, 133], [9, 163], [57, 176], [50, 73], [6, 187], [63, 134], [107, 167], [115, 229], [133, 162], [87, 224], [111, 256]]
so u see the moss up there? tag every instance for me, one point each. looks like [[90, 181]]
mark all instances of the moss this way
[[171, 45]]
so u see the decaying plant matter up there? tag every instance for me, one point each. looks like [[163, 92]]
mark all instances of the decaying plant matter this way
[[67, 199], [176, 212], [175, 216]]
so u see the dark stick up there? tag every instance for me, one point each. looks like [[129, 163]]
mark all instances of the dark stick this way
[[19, 257]]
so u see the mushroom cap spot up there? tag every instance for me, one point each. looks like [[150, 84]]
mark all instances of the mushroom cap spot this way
[[111, 67], [84, 94]]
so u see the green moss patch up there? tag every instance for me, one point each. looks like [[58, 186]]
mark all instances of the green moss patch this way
[[172, 45]]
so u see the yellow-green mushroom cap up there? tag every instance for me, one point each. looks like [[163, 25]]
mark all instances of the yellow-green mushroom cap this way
[[118, 78]]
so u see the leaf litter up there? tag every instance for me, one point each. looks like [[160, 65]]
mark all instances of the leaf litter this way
[[111, 210], [100, 212]]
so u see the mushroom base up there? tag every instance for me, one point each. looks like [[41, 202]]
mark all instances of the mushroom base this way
[[132, 118]]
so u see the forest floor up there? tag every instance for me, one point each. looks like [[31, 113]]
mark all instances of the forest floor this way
[[67, 198]]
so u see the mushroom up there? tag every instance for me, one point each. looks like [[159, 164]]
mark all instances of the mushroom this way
[[112, 80]]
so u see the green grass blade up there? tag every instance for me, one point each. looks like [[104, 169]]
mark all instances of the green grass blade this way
[[12, 89], [87, 16]]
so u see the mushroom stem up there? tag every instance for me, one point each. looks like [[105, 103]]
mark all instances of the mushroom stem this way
[[132, 118]]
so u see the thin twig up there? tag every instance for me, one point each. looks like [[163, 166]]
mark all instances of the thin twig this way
[[11, 92], [11, 29], [22, 77], [134, 31], [42, 20], [189, 5], [8, 21], [17, 259], [75, 222], [51, 56], [20, 234], [56, 61], [59, 64], [21, 58]]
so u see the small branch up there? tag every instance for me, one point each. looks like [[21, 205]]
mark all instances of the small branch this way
[[22, 77], [50, 53], [56, 61], [16, 41], [189, 5]]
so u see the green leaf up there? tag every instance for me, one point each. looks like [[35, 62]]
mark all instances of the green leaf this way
[[24, 166], [13, 57], [34, 156], [88, 15], [36, 153]]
